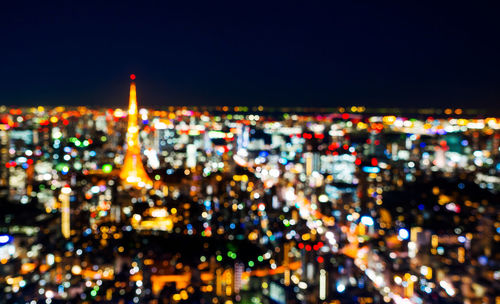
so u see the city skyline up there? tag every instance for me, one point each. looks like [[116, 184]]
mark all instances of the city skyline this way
[[277, 153]]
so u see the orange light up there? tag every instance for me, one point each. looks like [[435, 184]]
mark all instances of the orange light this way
[[132, 172]]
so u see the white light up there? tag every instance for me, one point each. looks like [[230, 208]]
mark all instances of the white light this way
[[323, 198], [4, 239], [95, 189], [366, 220], [448, 288], [340, 287], [66, 190], [322, 284], [403, 234]]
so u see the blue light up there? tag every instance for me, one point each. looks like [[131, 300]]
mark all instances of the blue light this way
[[5, 239], [403, 234], [263, 153], [340, 287], [370, 169]]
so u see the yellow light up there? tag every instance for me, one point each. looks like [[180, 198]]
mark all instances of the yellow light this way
[[434, 240], [184, 295], [76, 270], [461, 255], [389, 119]]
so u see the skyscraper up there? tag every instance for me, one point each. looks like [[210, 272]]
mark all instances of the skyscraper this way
[[132, 172]]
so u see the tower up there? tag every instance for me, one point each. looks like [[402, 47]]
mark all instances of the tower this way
[[133, 173]]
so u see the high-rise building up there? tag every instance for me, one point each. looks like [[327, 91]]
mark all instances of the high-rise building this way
[[4, 158], [133, 172], [65, 212]]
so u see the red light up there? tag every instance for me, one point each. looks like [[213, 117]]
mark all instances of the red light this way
[[301, 246], [320, 259], [316, 247], [345, 116], [374, 162], [357, 161], [321, 244], [132, 76], [308, 248]]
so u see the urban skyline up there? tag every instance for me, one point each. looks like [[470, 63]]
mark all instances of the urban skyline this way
[[224, 153]]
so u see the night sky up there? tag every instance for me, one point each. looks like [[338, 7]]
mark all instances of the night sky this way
[[373, 53]]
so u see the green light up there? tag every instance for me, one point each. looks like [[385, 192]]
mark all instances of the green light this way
[[251, 263], [93, 293], [157, 177], [260, 258], [103, 138], [219, 258], [107, 168], [229, 253], [62, 167]]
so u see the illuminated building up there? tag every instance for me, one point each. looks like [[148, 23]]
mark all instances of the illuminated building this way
[[133, 173], [4, 157], [65, 212]]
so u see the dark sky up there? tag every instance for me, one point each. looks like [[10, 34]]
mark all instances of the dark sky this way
[[373, 53]]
